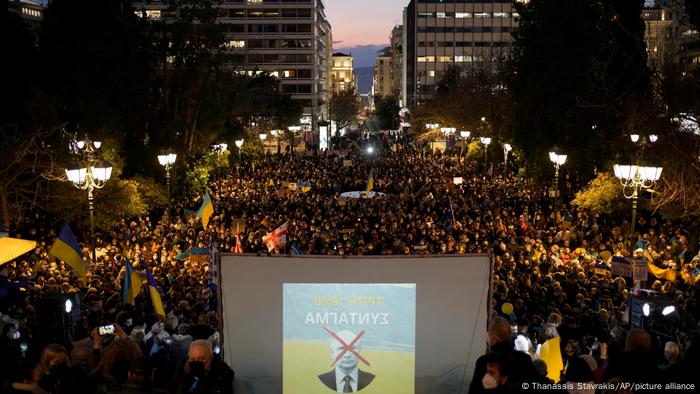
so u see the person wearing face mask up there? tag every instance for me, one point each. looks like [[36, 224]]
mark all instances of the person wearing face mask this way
[[500, 372], [499, 338], [205, 372], [55, 374]]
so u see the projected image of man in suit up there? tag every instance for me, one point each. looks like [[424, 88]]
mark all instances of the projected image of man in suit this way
[[347, 376]]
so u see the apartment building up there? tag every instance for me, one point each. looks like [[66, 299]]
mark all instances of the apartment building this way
[[439, 34], [669, 36], [342, 73], [383, 69], [31, 12], [396, 42], [286, 38]]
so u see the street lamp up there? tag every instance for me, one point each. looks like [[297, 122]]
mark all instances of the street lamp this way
[[558, 159], [166, 158], [465, 134], [218, 150], [507, 148], [294, 130], [636, 177], [89, 174], [486, 141]]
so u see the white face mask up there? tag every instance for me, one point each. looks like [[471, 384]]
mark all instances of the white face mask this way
[[489, 382]]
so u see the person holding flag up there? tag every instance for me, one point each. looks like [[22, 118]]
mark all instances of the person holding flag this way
[[370, 183], [133, 280], [206, 210], [277, 238], [66, 248], [155, 295]]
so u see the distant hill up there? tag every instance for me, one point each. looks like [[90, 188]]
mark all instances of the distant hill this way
[[363, 55], [364, 75]]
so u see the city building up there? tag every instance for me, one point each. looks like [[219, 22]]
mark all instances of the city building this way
[[396, 42], [31, 12], [383, 69], [288, 39], [440, 34], [668, 35], [342, 74]]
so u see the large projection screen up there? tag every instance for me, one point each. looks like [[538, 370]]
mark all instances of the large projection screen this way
[[424, 326]]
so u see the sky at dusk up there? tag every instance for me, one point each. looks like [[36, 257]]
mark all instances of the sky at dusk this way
[[363, 22]]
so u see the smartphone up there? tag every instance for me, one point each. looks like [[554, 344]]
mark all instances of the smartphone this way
[[217, 350], [168, 341], [106, 329], [23, 346]]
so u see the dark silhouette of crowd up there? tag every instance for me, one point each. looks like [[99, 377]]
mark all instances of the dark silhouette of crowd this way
[[552, 265]]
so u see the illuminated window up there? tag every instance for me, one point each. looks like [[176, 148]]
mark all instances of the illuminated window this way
[[445, 59], [441, 15], [463, 15], [431, 73], [236, 44], [482, 15], [500, 15]]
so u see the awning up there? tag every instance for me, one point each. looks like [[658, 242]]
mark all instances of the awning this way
[[11, 248]]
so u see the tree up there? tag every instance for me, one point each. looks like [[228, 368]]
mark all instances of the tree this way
[[345, 107], [578, 68], [26, 161], [464, 96], [602, 194], [386, 113]]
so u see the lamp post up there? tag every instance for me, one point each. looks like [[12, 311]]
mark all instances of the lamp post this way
[[432, 127], [89, 174], [635, 178], [447, 131], [507, 148], [167, 158], [294, 130], [486, 141], [239, 144], [218, 150], [558, 159], [465, 134]]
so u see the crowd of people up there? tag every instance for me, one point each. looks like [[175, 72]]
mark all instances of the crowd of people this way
[[552, 274]]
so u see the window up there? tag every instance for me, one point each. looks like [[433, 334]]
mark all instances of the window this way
[[462, 15], [431, 73], [482, 15], [441, 15], [500, 15], [236, 44], [445, 59]]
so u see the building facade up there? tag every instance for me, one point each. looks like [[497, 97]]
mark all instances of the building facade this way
[[342, 73], [383, 69], [439, 34], [288, 39], [31, 12], [396, 41], [668, 35]]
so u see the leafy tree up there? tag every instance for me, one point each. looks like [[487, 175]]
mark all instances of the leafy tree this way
[[466, 95], [602, 194], [98, 64], [345, 107], [578, 68], [386, 113]]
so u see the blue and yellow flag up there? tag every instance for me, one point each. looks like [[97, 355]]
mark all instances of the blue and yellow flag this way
[[133, 280], [304, 186], [155, 295], [370, 182], [206, 210], [66, 248]]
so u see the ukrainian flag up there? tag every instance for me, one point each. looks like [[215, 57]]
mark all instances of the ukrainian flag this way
[[66, 248], [206, 210], [155, 295], [370, 182], [133, 280]]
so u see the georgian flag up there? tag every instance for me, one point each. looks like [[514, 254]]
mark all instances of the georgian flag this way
[[277, 238]]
